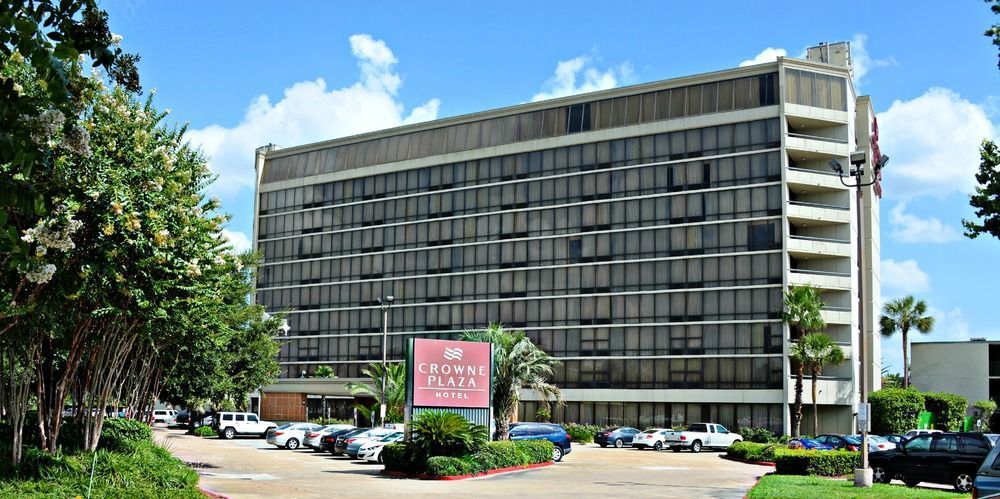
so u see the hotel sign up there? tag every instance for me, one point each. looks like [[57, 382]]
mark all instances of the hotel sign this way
[[451, 373], [876, 156]]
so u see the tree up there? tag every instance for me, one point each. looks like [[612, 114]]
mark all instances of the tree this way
[[984, 413], [815, 351], [394, 391], [802, 311], [986, 198], [324, 372], [517, 363], [904, 314]]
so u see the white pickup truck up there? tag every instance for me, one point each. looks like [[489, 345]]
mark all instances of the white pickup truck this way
[[699, 436]]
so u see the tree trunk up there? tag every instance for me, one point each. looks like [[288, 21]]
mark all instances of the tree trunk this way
[[797, 416], [815, 377], [906, 361]]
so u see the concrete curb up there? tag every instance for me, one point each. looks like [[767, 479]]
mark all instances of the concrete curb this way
[[208, 493]]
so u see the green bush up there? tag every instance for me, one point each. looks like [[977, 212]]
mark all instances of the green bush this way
[[443, 433], [490, 456], [895, 410], [329, 421], [401, 457], [536, 451], [451, 466], [948, 409], [121, 433], [816, 462], [758, 434], [204, 431], [752, 451], [581, 433], [985, 410]]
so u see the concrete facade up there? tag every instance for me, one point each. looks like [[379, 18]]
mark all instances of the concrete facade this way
[[962, 368]]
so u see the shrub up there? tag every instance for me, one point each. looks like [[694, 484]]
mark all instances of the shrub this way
[[813, 462], [985, 410], [895, 410], [543, 415], [406, 458], [451, 466], [443, 433], [400, 457], [758, 434], [582, 433], [122, 433], [752, 451], [204, 431], [948, 409], [329, 421], [536, 451]]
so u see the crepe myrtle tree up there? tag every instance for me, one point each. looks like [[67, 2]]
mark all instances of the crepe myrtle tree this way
[[517, 363]]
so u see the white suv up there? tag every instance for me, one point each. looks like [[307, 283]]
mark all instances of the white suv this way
[[230, 424], [165, 416]]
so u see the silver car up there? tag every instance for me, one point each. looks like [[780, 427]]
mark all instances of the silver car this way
[[314, 439], [987, 482]]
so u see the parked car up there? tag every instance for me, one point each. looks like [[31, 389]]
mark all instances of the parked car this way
[[164, 416], [701, 435], [314, 439], [840, 442], [807, 444], [987, 481], [290, 435], [340, 443], [372, 451], [912, 433], [894, 438], [354, 443], [616, 436], [650, 439], [876, 443], [543, 431], [951, 458], [182, 418], [230, 424], [327, 442]]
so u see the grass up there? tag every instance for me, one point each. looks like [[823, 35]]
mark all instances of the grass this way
[[774, 486]]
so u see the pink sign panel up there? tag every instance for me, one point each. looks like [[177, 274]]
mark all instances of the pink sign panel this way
[[451, 373]]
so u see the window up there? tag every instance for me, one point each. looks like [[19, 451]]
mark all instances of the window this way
[[919, 443], [227, 417], [974, 444], [252, 418], [239, 417], [945, 443]]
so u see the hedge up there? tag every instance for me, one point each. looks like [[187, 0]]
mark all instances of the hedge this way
[[121, 433], [895, 410], [758, 434], [752, 452], [816, 462], [204, 431], [581, 433], [493, 455], [948, 408]]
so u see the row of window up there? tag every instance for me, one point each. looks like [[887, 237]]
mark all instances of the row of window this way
[[693, 100], [616, 184], [673, 146], [815, 89], [754, 373], [756, 303], [571, 250], [751, 202], [644, 415]]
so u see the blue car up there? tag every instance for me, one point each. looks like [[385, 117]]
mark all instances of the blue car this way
[[807, 444], [543, 431], [618, 436]]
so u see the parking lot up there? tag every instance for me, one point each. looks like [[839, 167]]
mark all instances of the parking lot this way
[[249, 467]]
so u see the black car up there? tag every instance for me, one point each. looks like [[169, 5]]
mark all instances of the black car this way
[[182, 418], [543, 431], [839, 442], [339, 446], [951, 458], [618, 436], [327, 442]]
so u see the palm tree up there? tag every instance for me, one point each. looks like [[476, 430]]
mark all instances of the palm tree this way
[[903, 314], [517, 363], [802, 309], [816, 350], [395, 390]]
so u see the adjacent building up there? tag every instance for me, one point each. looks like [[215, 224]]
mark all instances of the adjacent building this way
[[968, 368], [643, 235]]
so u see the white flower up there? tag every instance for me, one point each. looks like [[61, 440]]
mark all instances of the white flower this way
[[41, 251], [41, 274], [116, 39], [219, 260]]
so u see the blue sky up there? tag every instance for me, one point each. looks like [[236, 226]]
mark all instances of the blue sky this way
[[242, 74]]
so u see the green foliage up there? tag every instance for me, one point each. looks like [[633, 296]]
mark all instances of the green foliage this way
[[122, 433], [517, 363], [329, 421], [451, 466], [948, 408], [443, 433], [895, 410], [772, 486], [986, 409], [752, 451], [904, 314], [757, 434], [581, 433], [892, 380], [324, 372], [543, 414], [405, 458], [986, 198], [394, 391], [400, 457], [802, 305], [815, 462], [204, 431]]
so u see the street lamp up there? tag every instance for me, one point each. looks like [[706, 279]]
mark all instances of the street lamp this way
[[385, 304], [856, 173]]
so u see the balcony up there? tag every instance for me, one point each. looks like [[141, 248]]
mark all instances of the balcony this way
[[818, 247], [819, 279], [804, 147], [809, 181], [802, 214], [837, 315], [802, 117]]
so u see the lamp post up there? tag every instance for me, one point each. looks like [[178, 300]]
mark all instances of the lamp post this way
[[385, 304], [856, 173]]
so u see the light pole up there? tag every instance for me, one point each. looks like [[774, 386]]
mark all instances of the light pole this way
[[385, 304], [856, 173]]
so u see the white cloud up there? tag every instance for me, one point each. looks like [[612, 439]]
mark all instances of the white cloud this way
[[934, 144], [239, 241], [309, 112], [565, 80], [863, 62], [909, 228], [767, 55], [903, 278]]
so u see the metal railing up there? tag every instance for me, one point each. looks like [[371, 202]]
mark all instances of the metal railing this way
[[820, 239], [810, 170], [820, 272], [817, 137], [819, 205]]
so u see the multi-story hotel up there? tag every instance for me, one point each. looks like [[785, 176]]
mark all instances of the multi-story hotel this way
[[642, 235]]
